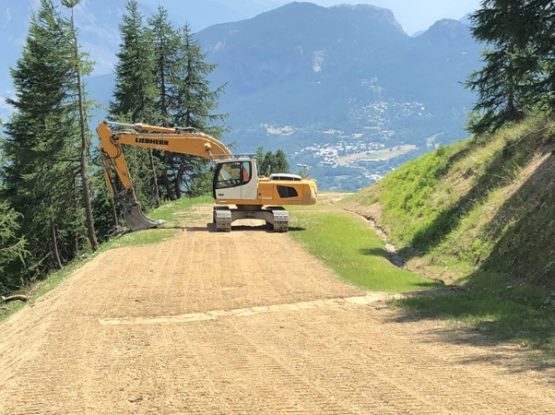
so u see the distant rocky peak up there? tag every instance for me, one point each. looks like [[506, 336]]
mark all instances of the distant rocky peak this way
[[447, 29], [372, 12]]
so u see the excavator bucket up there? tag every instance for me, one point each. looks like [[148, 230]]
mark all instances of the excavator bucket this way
[[136, 220], [134, 216]]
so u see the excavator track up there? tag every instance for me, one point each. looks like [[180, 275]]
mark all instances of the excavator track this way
[[222, 218], [280, 219], [275, 217]]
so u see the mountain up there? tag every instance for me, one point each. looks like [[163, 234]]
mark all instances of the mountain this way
[[98, 22], [344, 88]]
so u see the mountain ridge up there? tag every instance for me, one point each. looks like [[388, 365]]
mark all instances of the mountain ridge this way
[[336, 87]]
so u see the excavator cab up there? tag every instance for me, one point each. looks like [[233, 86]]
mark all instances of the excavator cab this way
[[235, 180]]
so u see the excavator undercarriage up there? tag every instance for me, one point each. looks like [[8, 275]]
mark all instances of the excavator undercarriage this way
[[275, 217]]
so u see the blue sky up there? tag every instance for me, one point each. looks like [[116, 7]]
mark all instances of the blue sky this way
[[416, 15], [413, 15]]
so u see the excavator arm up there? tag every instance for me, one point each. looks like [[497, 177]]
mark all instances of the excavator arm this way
[[176, 140]]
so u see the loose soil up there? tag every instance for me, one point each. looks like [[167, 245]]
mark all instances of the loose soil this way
[[245, 323]]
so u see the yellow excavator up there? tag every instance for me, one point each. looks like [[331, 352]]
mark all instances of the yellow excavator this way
[[236, 182]]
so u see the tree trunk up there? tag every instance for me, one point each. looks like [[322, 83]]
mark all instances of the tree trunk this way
[[165, 178], [155, 177], [83, 154], [17, 297], [179, 178], [55, 251], [114, 212]]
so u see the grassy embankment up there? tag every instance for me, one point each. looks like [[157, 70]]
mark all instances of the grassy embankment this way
[[174, 213], [481, 214], [351, 248]]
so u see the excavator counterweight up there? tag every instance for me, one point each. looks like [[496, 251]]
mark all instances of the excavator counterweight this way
[[235, 183]]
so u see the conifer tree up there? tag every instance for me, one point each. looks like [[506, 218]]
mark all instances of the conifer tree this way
[[519, 63], [82, 68], [541, 17], [135, 89], [502, 84], [166, 51], [12, 249], [281, 166], [12, 244], [269, 162], [194, 104], [267, 165], [134, 97], [42, 144]]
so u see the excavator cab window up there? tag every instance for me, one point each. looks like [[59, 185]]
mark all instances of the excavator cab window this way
[[231, 174]]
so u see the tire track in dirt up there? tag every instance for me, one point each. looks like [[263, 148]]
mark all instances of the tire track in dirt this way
[[285, 335]]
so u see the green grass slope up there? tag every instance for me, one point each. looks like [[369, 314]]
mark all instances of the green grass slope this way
[[483, 204], [351, 248], [480, 213]]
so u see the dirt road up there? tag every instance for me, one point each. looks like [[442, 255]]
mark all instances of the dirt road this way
[[243, 323]]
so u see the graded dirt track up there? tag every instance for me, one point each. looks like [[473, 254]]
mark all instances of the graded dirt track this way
[[244, 323]]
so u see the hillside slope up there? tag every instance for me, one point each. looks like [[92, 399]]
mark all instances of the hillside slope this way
[[485, 205]]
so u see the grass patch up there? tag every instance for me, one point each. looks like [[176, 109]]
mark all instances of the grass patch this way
[[516, 313], [352, 249], [42, 287], [174, 213]]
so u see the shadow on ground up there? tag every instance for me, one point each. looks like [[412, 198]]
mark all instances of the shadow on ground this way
[[510, 297], [249, 228], [496, 311]]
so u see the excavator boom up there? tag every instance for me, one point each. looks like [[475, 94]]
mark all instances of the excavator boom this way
[[183, 141]]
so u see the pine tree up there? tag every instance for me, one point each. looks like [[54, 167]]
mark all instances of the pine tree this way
[[519, 65], [259, 158], [541, 29], [12, 249], [281, 166], [166, 51], [268, 164], [12, 244], [194, 104], [135, 89], [42, 144], [501, 84], [82, 68], [134, 98], [166, 46]]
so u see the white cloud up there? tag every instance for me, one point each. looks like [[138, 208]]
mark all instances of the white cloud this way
[[318, 60], [276, 130], [7, 17]]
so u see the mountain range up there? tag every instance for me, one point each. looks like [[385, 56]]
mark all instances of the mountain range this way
[[343, 89]]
